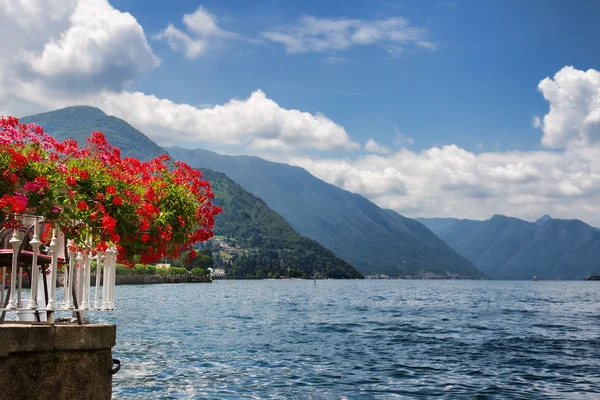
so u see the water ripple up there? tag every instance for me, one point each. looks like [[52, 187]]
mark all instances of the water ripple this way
[[358, 339]]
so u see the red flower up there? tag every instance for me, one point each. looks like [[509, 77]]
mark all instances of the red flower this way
[[144, 225], [82, 205], [117, 200], [111, 190], [71, 180]]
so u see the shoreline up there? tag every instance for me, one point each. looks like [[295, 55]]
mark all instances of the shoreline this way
[[138, 280]]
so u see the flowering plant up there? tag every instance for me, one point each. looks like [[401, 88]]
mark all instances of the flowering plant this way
[[148, 210]]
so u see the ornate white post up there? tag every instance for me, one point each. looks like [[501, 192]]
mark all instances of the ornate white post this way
[[20, 288], [14, 241], [98, 276], [53, 266], [113, 274], [2, 286], [109, 279], [106, 280], [85, 302], [77, 271], [69, 279], [33, 278]]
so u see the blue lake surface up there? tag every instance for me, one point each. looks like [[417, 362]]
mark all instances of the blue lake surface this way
[[358, 340]]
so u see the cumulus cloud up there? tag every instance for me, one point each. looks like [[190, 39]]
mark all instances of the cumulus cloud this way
[[374, 147], [88, 44], [202, 32], [450, 181], [256, 121], [574, 116], [312, 34], [102, 47]]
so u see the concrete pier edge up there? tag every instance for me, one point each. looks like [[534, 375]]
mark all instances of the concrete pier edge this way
[[56, 361]]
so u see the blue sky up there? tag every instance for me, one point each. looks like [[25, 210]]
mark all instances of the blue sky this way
[[431, 108], [478, 86]]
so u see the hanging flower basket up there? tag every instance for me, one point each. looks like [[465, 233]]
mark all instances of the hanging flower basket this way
[[146, 210]]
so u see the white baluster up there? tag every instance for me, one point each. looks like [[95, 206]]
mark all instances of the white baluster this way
[[66, 296], [105, 277], [33, 278], [98, 276], [78, 278], [20, 288], [113, 277], [69, 277], [2, 287], [87, 265], [14, 242], [108, 278], [53, 267]]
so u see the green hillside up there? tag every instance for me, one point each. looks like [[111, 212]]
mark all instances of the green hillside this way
[[273, 248], [80, 121]]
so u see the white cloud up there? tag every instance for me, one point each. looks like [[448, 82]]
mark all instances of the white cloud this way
[[256, 121], [102, 47], [334, 60], [373, 147], [320, 35], [203, 31], [574, 116], [402, 139], [450, 181], [92, 45]]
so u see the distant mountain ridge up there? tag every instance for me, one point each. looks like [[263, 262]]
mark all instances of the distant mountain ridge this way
[[370, 238], [274, 247], [510, 248]]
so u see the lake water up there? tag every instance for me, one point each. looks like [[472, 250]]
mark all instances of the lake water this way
[[358, 339]]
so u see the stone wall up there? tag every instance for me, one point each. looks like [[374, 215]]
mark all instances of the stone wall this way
[[152, 279], [43, 361]]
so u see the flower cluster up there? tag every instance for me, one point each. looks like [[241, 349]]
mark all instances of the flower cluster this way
[[148, 210]]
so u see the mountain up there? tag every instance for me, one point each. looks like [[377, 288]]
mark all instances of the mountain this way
[[510, 248], [245, 219], [80, 121], [374, 240], [543, 220], [274, 246], [450, 230]]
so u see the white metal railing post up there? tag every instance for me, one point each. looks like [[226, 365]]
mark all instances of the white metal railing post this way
[[98, 276], [14, 241], [77, 278], [53, 266], [20, 287], [33, 276], [105, 278], [2, 286], [113, 278], [87, 266], [69, 277]]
